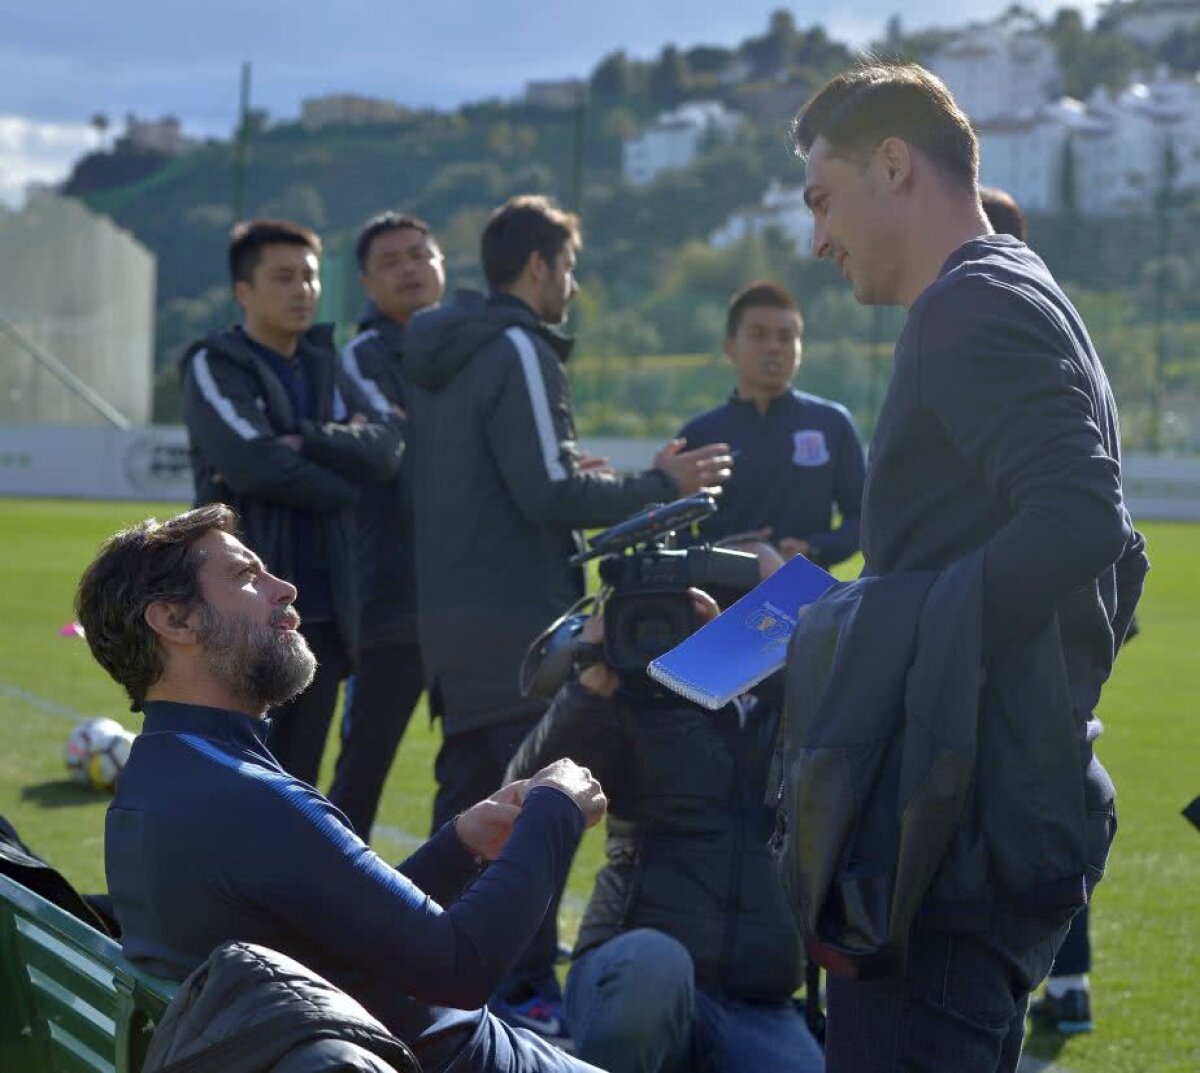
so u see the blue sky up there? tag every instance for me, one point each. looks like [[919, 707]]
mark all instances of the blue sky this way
[[63, 60]]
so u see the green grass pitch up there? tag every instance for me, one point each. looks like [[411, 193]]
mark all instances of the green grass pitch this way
[[1145, 925]]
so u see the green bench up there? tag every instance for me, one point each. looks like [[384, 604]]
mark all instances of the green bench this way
[[69, 1001]]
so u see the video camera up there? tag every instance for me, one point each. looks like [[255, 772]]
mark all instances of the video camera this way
[[644, 598]]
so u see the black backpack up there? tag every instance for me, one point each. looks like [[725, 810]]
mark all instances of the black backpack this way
[[20, 863]]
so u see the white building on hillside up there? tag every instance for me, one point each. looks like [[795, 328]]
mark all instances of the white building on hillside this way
[[675, 138], [559, 96], [999, 69], [1118, 147], [335, 109], [1151, 22], [783, 208]]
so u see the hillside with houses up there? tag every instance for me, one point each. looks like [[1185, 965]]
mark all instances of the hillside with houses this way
[[681, 169]]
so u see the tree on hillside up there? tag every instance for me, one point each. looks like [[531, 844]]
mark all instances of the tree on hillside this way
[[614, 78], [1091, 59], [707, 60], [668, 78], [1181, 51], [100, 125], [772, 54]]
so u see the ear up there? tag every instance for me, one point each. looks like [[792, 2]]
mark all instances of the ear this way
[[241, 291], [727, 346], [536, 267], [171, 623], [895, 158]]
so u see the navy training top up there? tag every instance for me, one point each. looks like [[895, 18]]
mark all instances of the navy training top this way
[[999, 430], [208, 839], [791, 466], [314, 598]]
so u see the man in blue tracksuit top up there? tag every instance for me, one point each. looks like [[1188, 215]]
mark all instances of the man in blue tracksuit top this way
[[208, 839], [797, 456]]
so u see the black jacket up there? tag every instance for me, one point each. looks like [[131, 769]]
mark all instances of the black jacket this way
[[498, 498], [234, 407], [920, 777], [688, 832], [248, 1009], [373, 359]]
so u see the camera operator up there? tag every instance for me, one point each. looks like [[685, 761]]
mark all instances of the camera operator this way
[[688, 955]]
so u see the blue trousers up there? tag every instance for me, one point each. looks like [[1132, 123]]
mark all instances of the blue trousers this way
[[1075, 955], [634, 1007], [959, 1007], [499, 1048]]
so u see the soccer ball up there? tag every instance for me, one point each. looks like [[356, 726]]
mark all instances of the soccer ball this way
[[108, 760], [88, 738]]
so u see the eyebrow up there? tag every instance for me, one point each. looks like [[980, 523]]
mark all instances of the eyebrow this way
[[242, 561]]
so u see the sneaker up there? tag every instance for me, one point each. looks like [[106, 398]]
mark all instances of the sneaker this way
[[541, 1015], [1068, 1015]]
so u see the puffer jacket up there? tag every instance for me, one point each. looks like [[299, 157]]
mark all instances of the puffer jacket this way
[[924, 782], [248, 1009], [688, 831]]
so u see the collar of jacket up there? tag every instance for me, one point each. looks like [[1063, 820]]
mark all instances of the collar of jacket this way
[[389, 332], [780, 404], [237, 729], [522, 315], [317, 341]]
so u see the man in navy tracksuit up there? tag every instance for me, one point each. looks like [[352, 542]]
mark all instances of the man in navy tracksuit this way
[[209, 839], [402, 272], [797, 456], [998, 435], [278, 432]]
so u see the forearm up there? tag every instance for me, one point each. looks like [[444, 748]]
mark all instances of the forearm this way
[[1060, 538], [441, 866]]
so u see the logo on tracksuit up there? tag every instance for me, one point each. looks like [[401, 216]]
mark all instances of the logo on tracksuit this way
[[809, 448]]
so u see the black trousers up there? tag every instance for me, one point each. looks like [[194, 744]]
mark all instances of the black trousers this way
[[469, 767], [387, 686], [300, 727]]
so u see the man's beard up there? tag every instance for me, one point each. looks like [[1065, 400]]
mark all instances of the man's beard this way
[[264, 665]]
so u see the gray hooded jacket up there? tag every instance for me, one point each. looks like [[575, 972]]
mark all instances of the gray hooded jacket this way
[[498, 496]]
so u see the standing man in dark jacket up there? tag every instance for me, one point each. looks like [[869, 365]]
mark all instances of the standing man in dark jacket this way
[[279, 433], [998, 440], [500, 488], [798, 456], [402, 272], [688, 954]]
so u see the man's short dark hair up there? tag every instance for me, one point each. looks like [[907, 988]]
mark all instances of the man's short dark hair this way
[[246, 242], [761, 292], [859, 108], [1003, 212], [149, 562], [523, 225], [382, 224]]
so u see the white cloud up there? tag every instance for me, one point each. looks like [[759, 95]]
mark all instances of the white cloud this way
[[32, 151]]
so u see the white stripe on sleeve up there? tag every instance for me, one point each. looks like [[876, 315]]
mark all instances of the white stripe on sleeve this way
[[220, 403], [540, 401], [369, 387]]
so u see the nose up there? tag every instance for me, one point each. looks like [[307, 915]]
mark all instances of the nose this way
[[820, 241], [285, 591]]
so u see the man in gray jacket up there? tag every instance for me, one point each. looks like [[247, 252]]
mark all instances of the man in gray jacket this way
[[278, 432], [500, 489]]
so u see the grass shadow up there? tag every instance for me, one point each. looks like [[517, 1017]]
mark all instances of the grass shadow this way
[[60, 793]]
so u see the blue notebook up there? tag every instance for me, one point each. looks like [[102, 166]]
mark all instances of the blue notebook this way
[[746, 642]]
